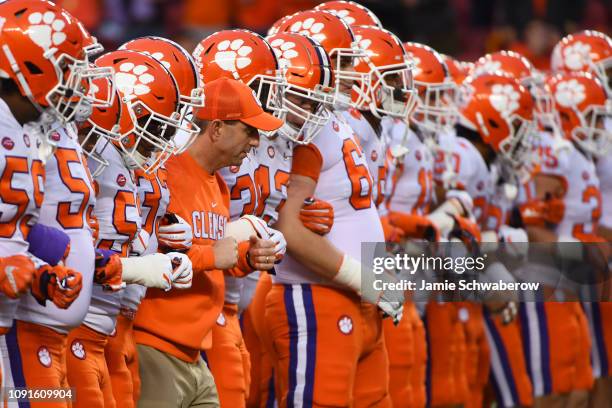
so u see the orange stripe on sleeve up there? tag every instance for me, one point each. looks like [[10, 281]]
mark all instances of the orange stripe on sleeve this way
[[307, 161]]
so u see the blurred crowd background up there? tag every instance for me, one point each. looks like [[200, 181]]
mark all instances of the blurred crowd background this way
[[465, 29]]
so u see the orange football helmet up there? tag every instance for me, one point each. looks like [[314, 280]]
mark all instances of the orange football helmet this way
[[245, 56], [43, 53], [353, 13], [580, 98], [519, 67], [182, 67], [501, 111], [586, 51], [388, 89], [102, 126], [435, 110], [458, 70], [309, 79], [276, 25], [150, 100], [338, 41]]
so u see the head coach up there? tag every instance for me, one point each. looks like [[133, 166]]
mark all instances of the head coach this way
[[172, 328]]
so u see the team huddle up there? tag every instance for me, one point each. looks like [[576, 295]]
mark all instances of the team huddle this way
[[185, 228]]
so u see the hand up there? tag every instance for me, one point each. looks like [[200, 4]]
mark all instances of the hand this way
[[515, 241], [415, 226], [226, 253], [92, 221], [392, 233], [177, 236], [317, 215], [468, 232], [262, 254], [15, 275], [463, 198], [390, 302], [57, 283], [139, 244], [507, 312], [268, 233], [182, 272], [539, 212], [108, 270]]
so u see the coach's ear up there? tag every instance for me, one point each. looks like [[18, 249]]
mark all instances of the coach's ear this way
[[214, 130]]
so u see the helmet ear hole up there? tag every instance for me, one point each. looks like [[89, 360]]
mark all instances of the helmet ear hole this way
[[33, 68], [564, 117], [493, 124]]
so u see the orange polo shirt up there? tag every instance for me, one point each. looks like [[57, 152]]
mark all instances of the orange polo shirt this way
[[179, 322]]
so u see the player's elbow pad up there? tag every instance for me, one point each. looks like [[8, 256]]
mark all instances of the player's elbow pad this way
[[152, 271], [349, 274], [48, 244]]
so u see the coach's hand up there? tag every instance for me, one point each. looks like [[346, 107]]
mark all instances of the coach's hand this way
[[262, 254], [226, 253]]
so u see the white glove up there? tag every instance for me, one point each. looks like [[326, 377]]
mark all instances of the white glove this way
[[152, 271], [464, 198], [177, 236], [268, 233], [182, 275], [391, 302], [139, 245], [515, 241]]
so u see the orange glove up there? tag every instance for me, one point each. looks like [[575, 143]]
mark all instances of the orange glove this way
[[414, 226], [540, 212], [392, 233], [108, 270], [92, 220], [468, 232], [15, 275], [57, 283], [317, 215]]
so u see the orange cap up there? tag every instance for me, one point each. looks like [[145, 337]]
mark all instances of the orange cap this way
[[228, 99]]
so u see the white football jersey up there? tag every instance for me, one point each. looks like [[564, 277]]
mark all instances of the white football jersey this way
[[244, 195], [410, 180], [154, 196], [583, 200], [374, 149], [346, 183], [244, 199], [69, 195], [274, 158], [22, 177], [258, 187], [22, 183], [120, 220]]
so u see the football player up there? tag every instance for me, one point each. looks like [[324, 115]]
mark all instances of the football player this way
[[328, 345], [591, 51], [174, 233], [145, 116], [52, 73]]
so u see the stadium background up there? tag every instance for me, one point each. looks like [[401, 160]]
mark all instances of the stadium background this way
[[465, 29]]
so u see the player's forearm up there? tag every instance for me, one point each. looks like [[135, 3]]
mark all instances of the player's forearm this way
[[311, 250]]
